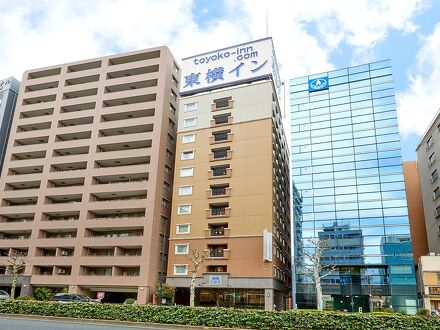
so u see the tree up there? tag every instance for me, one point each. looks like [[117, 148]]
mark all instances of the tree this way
[[15, 264], [166, 291], [197, 258], [314, 255]]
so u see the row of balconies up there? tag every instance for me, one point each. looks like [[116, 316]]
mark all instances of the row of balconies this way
[[66, 270]]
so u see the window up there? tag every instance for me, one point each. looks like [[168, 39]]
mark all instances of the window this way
[[184, 209], [183, 228], [185, 190], [437, 212], [222, 103], [181, 249], [436, 193], [186, 171], [434, 176], [431, 159], [168, 169], [220, 170], [222, 119], [186, 155], [190, 106], [429, 143], [180, 269], [188, 138], [189, 122]]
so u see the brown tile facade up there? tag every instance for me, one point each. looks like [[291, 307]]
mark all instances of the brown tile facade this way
[[87, 182]]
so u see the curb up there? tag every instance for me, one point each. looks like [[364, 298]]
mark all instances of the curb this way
[[112, 322]]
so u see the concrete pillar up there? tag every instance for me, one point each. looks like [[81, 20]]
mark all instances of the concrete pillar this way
[[143, 295], [268, 299]]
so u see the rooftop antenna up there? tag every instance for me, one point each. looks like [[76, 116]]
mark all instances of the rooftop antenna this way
[[267, 22]]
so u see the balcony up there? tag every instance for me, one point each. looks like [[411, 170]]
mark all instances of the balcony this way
[[57, 234], [221, 120], [218, 251], [220, 154], [118, 179], [220, 137], [222, 104], [19, 201], [217, 230], [217, 191], [64, 183], [68, 167], [220, 211], [12, 235], [123, 146], [71, 151], [80, 93], [115, 196], [28, 155], [35, 113], [78, 107], [219, 172], [63, 199], [60, 216], [126, 115], [131, 86]]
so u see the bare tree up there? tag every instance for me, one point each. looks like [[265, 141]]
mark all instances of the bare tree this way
[[15, 264], [197, 258], [314, 255]]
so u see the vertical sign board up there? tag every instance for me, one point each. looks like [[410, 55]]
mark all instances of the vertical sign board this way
[[250, 61], [267, 245]]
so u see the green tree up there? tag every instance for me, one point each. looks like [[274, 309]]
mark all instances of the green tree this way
[[168, 292]]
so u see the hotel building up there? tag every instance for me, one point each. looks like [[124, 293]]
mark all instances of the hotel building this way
[[231, 192], [87, 180]]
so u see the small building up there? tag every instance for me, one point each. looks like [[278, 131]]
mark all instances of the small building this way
[[428, 281]]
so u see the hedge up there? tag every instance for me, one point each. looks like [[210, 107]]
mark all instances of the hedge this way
[[225, 317]]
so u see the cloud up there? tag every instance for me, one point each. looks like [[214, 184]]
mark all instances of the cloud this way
[[418, 104]]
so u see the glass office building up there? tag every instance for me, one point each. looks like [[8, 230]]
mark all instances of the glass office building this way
[[347, 168]]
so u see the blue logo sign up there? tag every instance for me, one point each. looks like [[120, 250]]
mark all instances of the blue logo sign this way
[[318, 84]]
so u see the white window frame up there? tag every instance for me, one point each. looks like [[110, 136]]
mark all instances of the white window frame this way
[[189, 153], [183, 224], [179, 212], [181, 190], [176, 249], [192, 140], [180, 265], [186, 168], [186, 120], [187, 106]]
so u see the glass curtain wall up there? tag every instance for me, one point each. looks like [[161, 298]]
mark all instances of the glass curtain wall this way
[[347, 169]]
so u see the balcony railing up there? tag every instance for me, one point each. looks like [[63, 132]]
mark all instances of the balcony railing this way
[[218, 191]]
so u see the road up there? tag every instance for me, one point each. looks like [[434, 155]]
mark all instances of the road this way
[[12, 323]]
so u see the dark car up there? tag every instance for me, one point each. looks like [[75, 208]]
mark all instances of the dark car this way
[[71, 297]]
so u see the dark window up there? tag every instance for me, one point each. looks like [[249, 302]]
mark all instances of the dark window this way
[[222, 103], [220, 170]]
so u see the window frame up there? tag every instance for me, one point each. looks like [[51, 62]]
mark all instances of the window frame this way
[[181, 265], [179, 212], [181, 225]]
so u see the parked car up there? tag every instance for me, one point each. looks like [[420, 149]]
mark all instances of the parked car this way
[[4, 296], [72, 297]]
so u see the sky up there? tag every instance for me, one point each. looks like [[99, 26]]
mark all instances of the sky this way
[[309, 37]]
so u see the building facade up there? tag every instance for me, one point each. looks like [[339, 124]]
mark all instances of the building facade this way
[[231, 196], [428, 281], [416, 215], [8, 97], [87, 181], [428, 151], [347, 167]]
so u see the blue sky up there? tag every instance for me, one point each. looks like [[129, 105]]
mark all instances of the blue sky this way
[[309, 37]]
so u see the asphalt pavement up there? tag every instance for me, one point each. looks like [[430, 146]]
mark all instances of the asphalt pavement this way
[[16, 323]]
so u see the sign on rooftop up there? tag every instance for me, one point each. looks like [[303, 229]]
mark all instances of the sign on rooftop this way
[[250, 61]]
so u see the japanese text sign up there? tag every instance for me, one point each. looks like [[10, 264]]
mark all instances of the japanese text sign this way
[[228, 66]]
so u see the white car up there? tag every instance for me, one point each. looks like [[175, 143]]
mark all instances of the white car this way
[[4, 296]]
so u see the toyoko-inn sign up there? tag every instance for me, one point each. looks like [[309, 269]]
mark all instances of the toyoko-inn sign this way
[[246, 62]]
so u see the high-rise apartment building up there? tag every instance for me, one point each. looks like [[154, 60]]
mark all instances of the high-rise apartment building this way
[[8, 96], [347, 167], [428, 151], [87, 180], [231, 195]]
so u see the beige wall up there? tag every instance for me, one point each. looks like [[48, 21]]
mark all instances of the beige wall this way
[[259, 187]]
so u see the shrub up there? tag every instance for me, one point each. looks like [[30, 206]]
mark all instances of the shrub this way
[[129, 301], [24, 297], [225, 317], [423, 312], [44, 293]]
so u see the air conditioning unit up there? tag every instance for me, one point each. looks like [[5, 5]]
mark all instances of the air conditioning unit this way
[[61, 271], [21, 237], [64, 253]]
